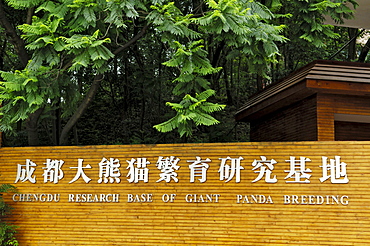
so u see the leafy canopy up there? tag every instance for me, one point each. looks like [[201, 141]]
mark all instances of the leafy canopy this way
[[68, 36], [191, 110]]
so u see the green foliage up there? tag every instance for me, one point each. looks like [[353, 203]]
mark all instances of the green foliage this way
[[22, 4], [189, 48], [84, 50], [193, 64], [24, 92], [171, 21], [246, 26], [307, 17], [240, 24], [191, 110], [7, 231], [62, 39]]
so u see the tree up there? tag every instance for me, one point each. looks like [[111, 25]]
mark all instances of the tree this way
[[59, 51], [76, 46], [308, 37], [66, 36]]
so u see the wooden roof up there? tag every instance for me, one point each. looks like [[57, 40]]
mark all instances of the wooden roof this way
[[318, 76]]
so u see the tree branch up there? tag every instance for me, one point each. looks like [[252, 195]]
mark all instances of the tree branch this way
[[92, 91], [13, 36], [118, 50], [29, 15], [81, 109], [132, 41]]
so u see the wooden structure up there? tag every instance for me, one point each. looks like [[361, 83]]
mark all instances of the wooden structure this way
[[282, 211], [323, 101]]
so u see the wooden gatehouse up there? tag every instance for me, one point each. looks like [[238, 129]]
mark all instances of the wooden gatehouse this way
[[323, 101]]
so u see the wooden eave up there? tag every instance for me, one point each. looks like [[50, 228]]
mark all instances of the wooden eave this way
[[321, 76]]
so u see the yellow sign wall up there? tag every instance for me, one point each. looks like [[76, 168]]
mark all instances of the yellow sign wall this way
[[297, 193]]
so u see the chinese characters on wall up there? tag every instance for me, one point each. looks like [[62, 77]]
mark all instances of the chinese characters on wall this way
[[137, 170]]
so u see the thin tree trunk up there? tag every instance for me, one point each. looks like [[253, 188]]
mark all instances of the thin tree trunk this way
[[81, 109], [2, 55], [32, 127], [227, 85], [75, 135], [30, 13], [260, 84], [56, 124], [352, 32]]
